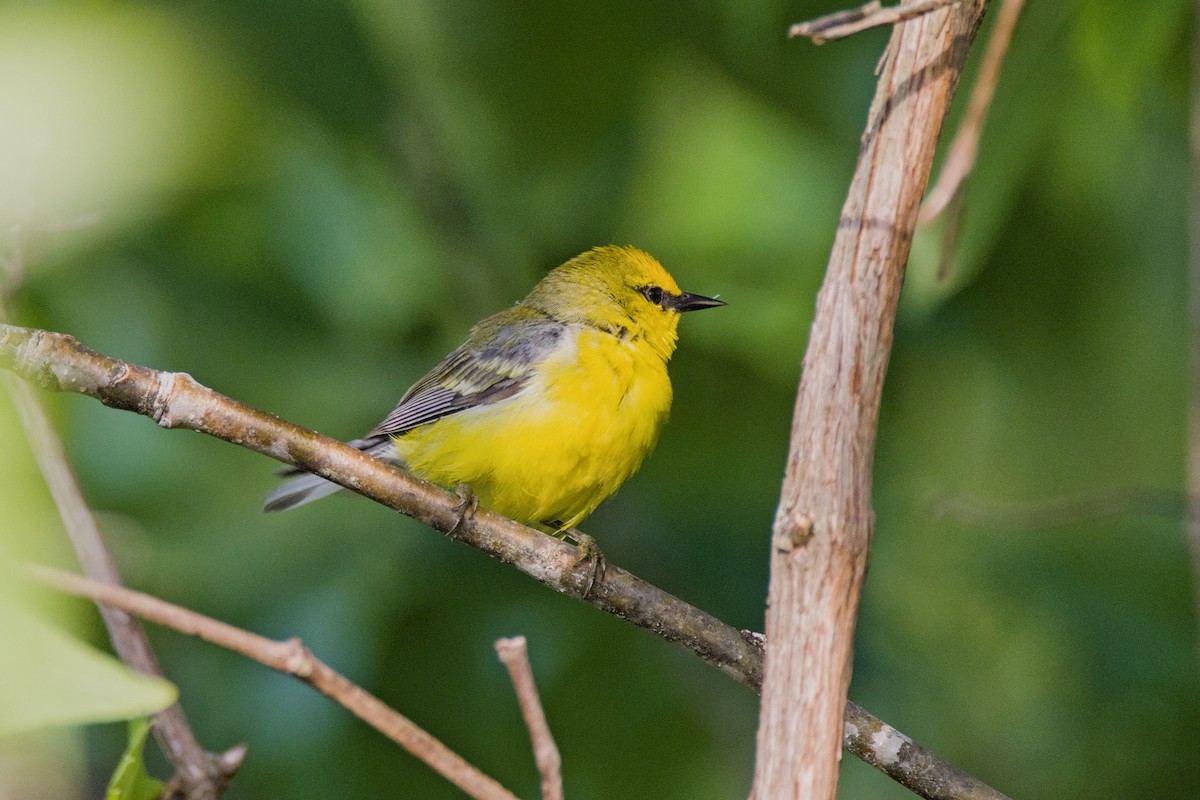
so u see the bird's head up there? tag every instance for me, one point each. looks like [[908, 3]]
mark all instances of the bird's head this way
[[619, 289]]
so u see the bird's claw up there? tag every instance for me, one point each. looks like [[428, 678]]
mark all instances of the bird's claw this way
[[589, 553], [465, 508]]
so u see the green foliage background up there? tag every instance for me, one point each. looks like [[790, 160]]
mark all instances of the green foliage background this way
[[305, 204]]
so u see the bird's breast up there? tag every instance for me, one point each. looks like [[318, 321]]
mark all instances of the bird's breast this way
[[613, 388], [582, 424]]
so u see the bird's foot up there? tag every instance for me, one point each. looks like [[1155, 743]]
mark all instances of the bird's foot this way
[[465, 508], [590, 555]]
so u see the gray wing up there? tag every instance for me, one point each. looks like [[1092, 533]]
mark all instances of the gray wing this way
[[494, 363], [305, 487]]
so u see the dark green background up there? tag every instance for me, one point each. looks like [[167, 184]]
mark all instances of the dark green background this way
[[366, 179]]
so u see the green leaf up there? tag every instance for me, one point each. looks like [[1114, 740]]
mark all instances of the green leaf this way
[[129, 780], [49, 678]]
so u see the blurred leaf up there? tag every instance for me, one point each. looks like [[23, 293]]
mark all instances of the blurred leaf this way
[[106, 111], [129, 780], [48, 676], [51, 679], [30, 527], [46, 764]]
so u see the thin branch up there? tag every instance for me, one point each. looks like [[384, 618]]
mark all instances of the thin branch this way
[[58, 362], [842, 24], [960, 158], [1055, 513], [905, 761], [199, 775], [515, 657], [293, 658]]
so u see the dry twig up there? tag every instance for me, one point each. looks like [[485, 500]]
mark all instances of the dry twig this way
[[960, 158], [842, 24], [293, 658], [58, 362], [515, 657]]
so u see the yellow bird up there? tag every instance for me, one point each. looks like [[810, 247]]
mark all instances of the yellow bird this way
[[549, 406]]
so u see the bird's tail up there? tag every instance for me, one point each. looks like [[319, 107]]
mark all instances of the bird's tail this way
[[306, 487]]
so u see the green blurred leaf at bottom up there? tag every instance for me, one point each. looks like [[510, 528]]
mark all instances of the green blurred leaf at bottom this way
[[130, 781], [49, 678]]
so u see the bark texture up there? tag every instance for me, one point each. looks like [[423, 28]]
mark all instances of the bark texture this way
[[823, 526]]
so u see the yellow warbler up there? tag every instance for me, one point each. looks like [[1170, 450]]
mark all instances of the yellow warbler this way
[[548, 406]]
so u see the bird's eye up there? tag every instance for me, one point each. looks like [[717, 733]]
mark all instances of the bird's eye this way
[[654, 294]]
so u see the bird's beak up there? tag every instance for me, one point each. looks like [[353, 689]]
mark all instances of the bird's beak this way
[[691, 302]]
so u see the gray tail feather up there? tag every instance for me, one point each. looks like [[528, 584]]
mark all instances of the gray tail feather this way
[[305, 487]]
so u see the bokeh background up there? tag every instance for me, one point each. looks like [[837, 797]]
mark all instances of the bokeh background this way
[[305, 204]]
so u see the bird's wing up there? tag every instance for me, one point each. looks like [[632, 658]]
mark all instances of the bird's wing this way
[[494, 363]]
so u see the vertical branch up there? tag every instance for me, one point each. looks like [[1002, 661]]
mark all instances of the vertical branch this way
[[513, 654], [823, 526]]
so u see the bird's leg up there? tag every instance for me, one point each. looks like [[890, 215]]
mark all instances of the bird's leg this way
[[554, 527], [589, 553], [467, 503]]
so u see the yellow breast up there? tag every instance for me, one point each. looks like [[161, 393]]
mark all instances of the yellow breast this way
[[549, 454]]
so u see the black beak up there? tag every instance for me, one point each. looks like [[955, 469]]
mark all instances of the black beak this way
[[690, 302]]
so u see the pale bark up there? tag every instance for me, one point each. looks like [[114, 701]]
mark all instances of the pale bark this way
[[823, 526]]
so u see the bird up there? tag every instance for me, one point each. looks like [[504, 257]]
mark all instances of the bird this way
[[548, 406]]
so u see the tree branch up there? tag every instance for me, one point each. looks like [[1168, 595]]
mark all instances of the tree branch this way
[[841, 24], [199, 775], [515, 657], [823, 525], [906, 762], [175, 400], [293, 658], [58, 362]]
